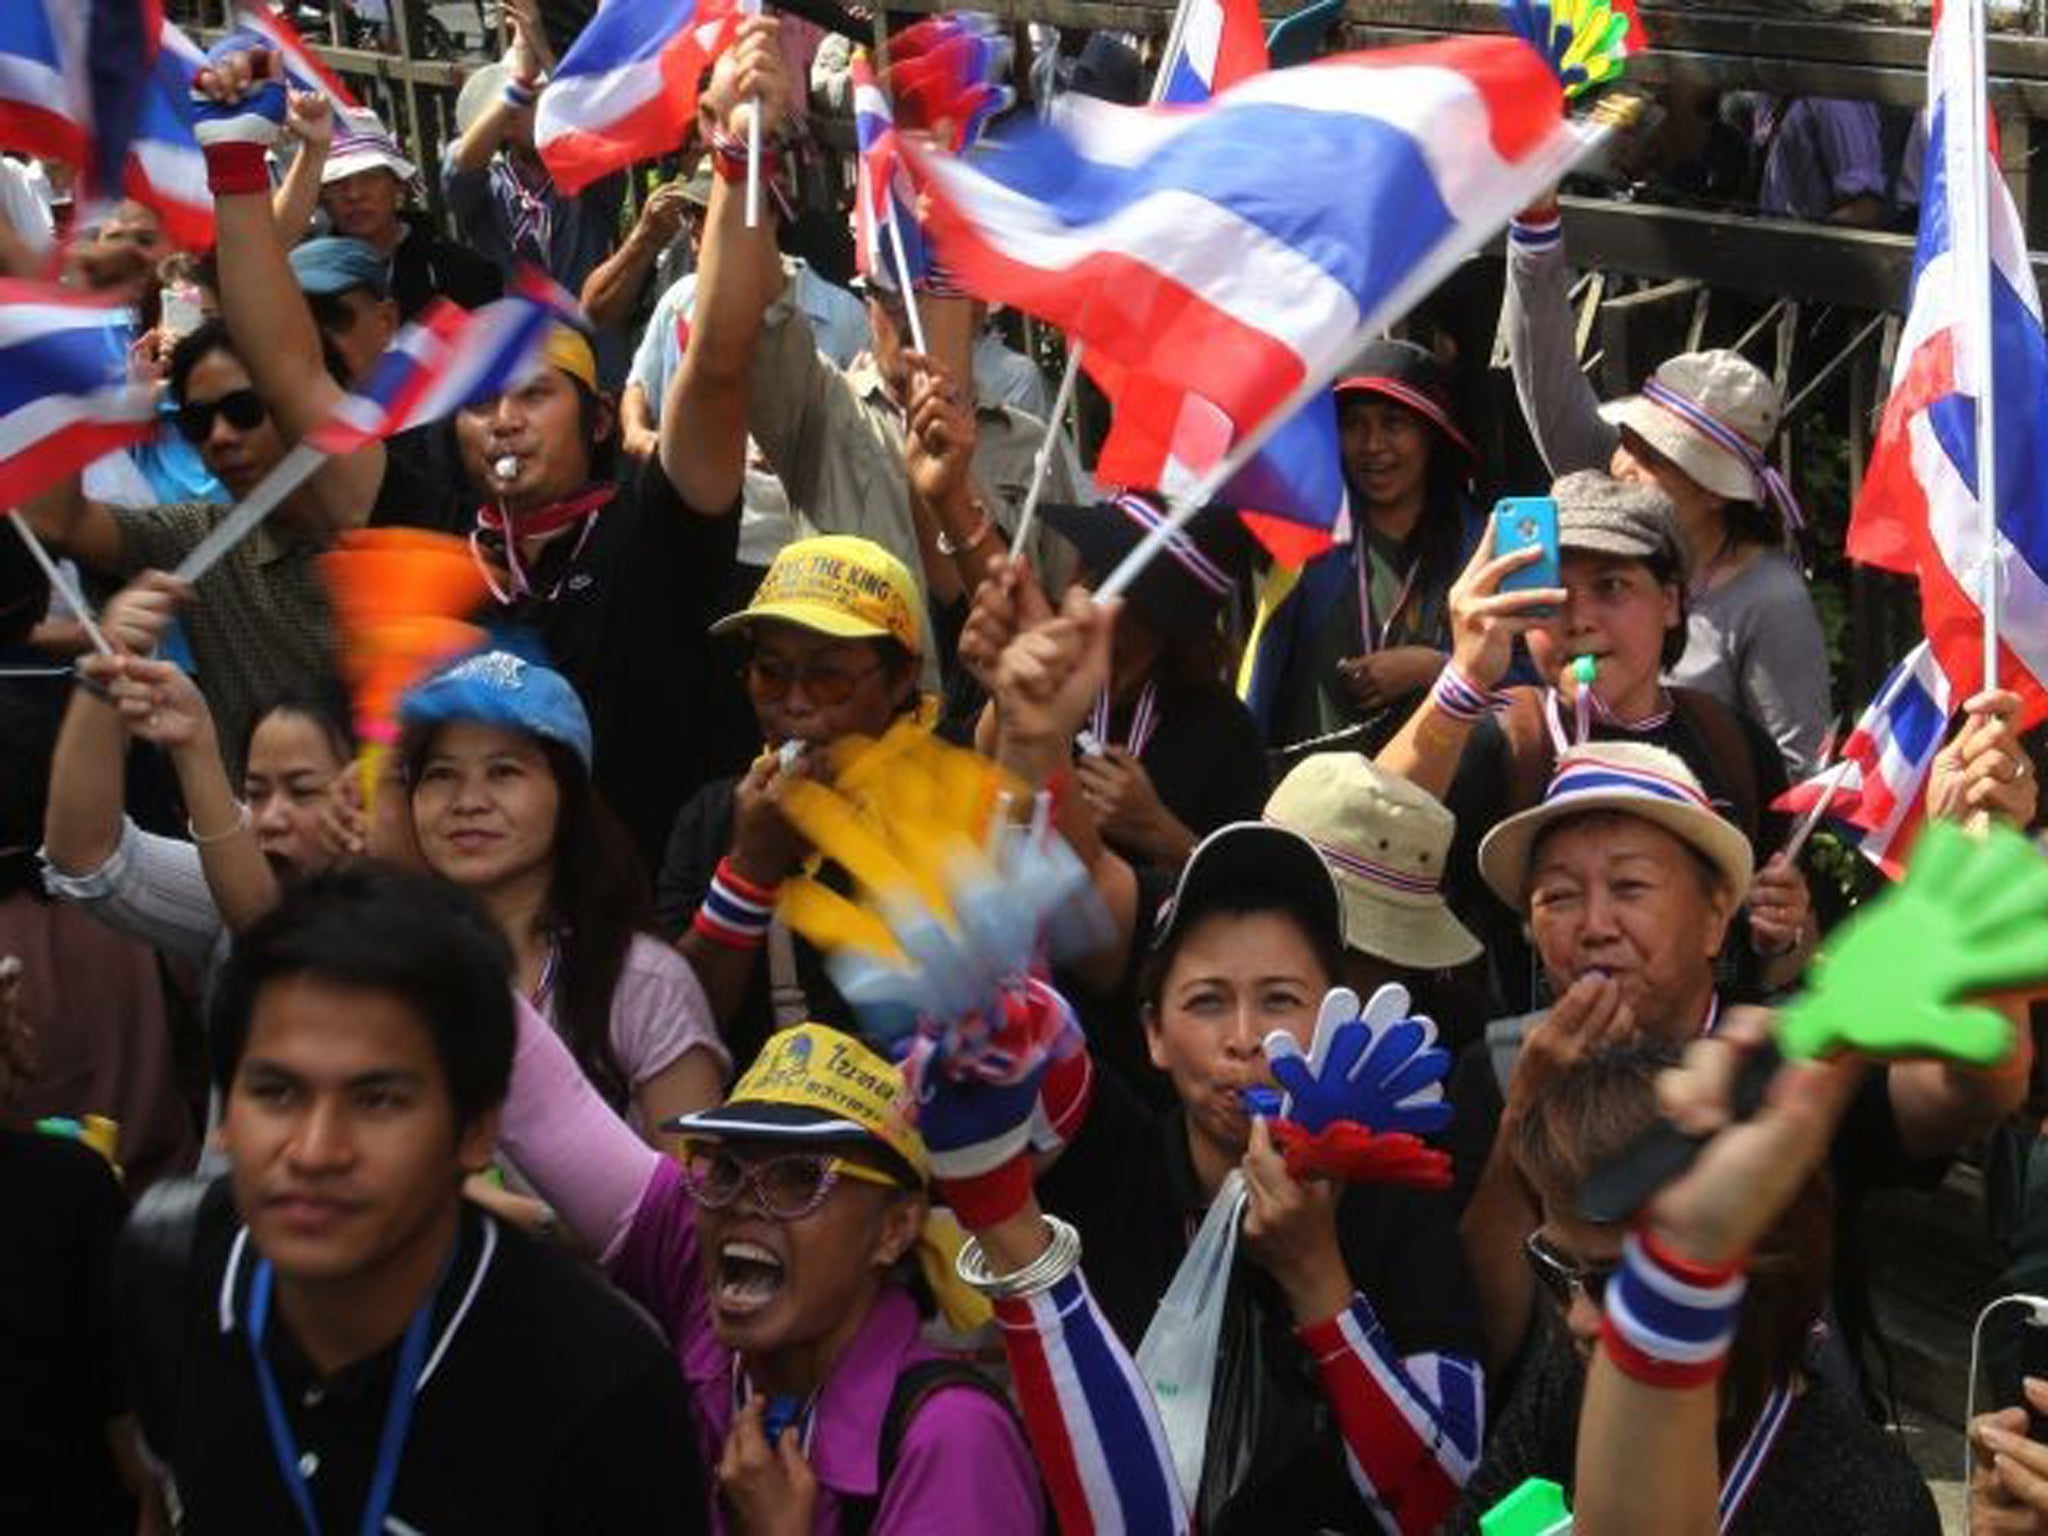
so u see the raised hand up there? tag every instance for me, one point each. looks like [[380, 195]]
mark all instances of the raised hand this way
[[939, 433], [141, 612], [750, 71], [158, 703], [239, 97], [1971, 917], [1485, 620]]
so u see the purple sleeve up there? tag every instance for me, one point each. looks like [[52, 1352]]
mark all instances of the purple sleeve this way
[[581, 1158], [963, 1451]]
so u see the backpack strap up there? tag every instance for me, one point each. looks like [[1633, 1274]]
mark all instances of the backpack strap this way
[[1715, 726], [151, 1288], [917, 1384]]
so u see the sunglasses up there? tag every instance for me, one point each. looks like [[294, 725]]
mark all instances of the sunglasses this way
[[787, 1187], [1563, 1279], [769, 681], [243, 408]]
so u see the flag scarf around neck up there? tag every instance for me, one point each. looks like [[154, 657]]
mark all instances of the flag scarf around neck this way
[[1917, 512], [74, 79], [445, 359], [1883, 797], [1238, 250], [65, 398], [302, 67], [627, 89]]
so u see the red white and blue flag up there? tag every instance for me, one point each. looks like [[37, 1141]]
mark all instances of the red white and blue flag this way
[[166, 170], [1239, 252], [627, 89], [74, 76], [445, 359], [1918, 511], [1222, 42], [884, 206], [1881, 798], [302, 66], [65, 399]]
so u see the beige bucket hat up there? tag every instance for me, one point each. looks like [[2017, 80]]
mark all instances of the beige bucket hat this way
[[1713, 414]]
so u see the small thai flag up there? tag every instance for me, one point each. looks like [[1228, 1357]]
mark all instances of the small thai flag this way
[[302, 66], [883, 207], [166, 170], [64, 398]]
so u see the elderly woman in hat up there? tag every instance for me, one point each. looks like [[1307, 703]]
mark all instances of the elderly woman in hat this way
[[791, 1259], [1629, 878], [1700, 431], [1364, 626]]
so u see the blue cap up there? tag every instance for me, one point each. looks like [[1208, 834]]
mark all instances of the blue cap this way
[[499, 688], [334, 264]]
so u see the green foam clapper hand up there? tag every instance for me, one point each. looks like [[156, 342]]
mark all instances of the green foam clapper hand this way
[[1537, 1508], [1970, 918]]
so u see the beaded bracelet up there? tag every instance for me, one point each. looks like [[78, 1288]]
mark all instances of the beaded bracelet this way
[[1669, 1323], [735, 912], [1062, 1256], [1460, 698]]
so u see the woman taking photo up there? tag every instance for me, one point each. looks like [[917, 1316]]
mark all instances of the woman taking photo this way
[[497, 753]]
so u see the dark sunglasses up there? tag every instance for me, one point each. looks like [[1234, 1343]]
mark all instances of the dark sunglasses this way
[[243, 408], [1563, 1279], [769, 681], [785, 1188]]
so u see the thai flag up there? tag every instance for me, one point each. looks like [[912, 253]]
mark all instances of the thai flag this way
[[1240, 251], [64, 398], [1221, 43], [884, 207], [1883, 795], [74, 75], [1918, 509], [445, 359], [166, 170], [302, 66], [627, 91]]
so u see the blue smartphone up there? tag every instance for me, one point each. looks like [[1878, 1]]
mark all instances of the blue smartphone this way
[[1525, 522]]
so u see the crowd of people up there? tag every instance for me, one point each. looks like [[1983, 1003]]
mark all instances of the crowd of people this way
[[494, 1143]]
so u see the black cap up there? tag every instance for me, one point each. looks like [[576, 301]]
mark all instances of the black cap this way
[[1252, 856], [1183, 588]]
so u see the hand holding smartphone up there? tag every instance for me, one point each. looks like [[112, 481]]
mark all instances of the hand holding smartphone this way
[[1528, 522]]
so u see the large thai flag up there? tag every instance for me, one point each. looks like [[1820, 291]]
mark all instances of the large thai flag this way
[[1221, 43], [445, 359], [627, 91], [74, 76], [302, 66], [166, 170], [64, 398], [1241, 251], [1883, 795], [884, 208], [1918, 511]]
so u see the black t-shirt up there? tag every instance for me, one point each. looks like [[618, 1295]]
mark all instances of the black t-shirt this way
[[701, 837], [427, 266], [1128, 1183], [548, 1405], [1487, 789], [60, 1213], [1205, 757], [622, 608]]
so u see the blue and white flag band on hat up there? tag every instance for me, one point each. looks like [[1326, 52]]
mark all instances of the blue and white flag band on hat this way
[[1183, 550], [1772, 489], [1581, 776]]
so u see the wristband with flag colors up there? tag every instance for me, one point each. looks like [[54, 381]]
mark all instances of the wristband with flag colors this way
[[1668, 1322], [735, 912], [234, 135]]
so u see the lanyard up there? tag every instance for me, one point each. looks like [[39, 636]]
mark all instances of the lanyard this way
[[582, 508], [1742, 1476], [1372, 637], [1144, 720], [1589, 707], [544, 987], [783, 1412], [397, 1413]]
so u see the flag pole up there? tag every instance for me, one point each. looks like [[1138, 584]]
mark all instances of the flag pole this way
[[61, 584], [1176, 33], [1404, 296], [290, 472], [754, 148], [1975, 261], [903, 276]]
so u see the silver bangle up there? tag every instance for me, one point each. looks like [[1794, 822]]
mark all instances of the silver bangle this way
[[1062, 1256], [241, 824]]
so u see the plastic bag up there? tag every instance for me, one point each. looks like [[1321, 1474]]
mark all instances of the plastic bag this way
[[1178, 1355]]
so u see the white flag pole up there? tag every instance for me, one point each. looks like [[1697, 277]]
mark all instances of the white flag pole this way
[[1967, 125], [903, 275], [1176, 34], [290, 472], [1549, 167], [753, 8], [61, 584]]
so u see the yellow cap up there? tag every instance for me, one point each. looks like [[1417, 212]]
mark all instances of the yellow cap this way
[[569, 350], [814, 1084], [838, 585]]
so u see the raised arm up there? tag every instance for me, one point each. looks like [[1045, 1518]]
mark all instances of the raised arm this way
[[310, 120], [528, 57], [703, 421], [266, 314], [615, 284], [1558, 403]]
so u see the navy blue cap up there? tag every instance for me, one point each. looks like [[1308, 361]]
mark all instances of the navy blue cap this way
[[499, 688], [334, 264]]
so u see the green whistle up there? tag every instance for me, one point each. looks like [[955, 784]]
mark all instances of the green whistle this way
[[1584, 670]]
